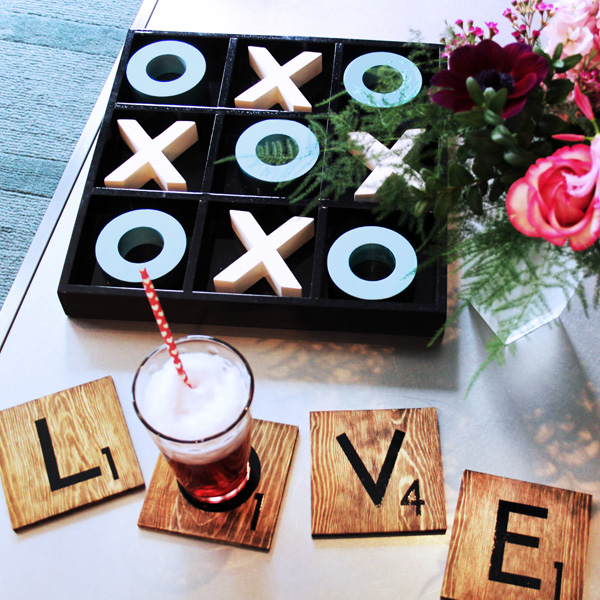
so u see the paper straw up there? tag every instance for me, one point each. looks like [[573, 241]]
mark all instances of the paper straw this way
[[163, 326]]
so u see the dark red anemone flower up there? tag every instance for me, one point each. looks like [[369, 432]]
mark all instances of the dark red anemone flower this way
[[515, 67]]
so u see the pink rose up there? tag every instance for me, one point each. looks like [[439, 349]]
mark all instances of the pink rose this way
[[543, 203]]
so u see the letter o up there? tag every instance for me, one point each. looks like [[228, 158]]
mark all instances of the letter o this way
[[353, 246], [355, 86], [253, 166], [136, 228], [149, 63]]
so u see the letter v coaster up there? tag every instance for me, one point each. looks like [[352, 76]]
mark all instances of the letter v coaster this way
[[65, 451], [376, 472], [513, 540], [247, 521]]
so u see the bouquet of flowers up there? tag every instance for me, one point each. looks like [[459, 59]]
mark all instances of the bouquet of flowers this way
[[508, 156]]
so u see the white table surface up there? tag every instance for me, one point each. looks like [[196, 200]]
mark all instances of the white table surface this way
[[537, 418]]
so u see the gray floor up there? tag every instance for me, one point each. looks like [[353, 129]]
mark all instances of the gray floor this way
[[56, 56]]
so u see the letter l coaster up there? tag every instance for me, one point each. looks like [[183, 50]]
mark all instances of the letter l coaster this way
[[65, 451], [513, 540], [250, 524], [376, 471]]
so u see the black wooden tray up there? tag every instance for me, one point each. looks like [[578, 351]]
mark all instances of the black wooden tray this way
[[187, 292]]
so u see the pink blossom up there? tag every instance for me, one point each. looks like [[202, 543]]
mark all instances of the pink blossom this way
[[575, 25], [583, 103], [583, 185], [569, 137], [493, 27], [558, 198]]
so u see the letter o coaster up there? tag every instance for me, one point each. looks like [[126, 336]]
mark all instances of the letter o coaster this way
[[253, 166], [136, 228], [161, 58], [347, 250], [355, 86]]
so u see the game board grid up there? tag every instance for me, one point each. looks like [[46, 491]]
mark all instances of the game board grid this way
[[188, 292]]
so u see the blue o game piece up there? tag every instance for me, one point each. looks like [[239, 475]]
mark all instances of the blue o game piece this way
[[359, 244], [355, 86], [137, 228], [159, 59], [249, 162]]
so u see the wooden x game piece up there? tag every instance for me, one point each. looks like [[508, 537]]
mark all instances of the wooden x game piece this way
[[152, 157], [280, 84], [383, 162], [266, 255]]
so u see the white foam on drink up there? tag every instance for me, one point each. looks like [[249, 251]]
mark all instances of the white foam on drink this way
[[218, 396]]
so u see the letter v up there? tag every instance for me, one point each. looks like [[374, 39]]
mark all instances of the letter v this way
[[377, 490]]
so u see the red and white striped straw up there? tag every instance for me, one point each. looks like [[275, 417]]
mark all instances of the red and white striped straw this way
[[163, 326]]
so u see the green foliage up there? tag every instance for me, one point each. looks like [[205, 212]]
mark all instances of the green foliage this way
[[277, 150], [467, 161]]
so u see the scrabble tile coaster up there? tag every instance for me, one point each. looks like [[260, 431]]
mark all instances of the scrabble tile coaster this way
[[376, 472], [251, 524], [64, 451], [513, 540]]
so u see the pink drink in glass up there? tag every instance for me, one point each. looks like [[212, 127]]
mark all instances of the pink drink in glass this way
[[204, 432]]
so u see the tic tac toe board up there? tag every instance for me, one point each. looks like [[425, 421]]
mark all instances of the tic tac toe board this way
[[215, 186]]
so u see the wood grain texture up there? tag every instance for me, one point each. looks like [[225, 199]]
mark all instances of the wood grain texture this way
[[340, 502], [81, 422], [166, 509], [562, 538]]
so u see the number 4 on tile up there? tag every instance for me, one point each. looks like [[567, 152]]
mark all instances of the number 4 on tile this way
[[413, 497]]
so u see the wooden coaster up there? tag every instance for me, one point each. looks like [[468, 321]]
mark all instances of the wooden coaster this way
[[376, 471], [65, 451], [250, 524], [513, 540]]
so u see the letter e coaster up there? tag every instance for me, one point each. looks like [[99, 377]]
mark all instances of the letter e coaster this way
[[513, 540], [250, 523], [64, 451], [376, 472]]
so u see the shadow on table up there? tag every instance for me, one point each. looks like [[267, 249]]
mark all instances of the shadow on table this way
[[539, 411], [322, 357]]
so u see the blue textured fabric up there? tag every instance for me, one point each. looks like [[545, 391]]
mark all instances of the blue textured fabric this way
[[56, 56]]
